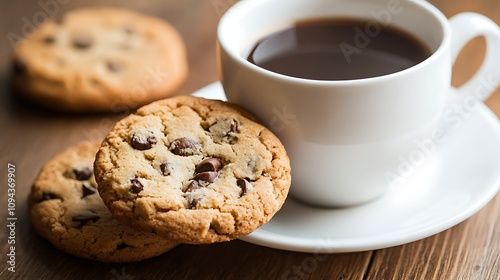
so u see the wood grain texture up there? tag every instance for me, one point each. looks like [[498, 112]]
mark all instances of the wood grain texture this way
[[470, 250], [29, 136]]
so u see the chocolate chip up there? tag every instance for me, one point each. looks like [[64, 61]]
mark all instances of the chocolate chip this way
[[85, 218], [230, 126], [137, 187], [223, 129], [209, 164], [184, 146], [82, 41], [49, 196], [128, 30], [114, 66], [142, 142], [252, 163], [83, 173], [233, 128], [194, 202], [207, 176], [166, 169], [19, 66], [244, 186], [192, 186], [122, 246], [49, 39], [87, 190]]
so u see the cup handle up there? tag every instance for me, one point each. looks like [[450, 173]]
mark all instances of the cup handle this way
[[464, 28]]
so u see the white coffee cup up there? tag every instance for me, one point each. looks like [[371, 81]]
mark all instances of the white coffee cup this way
[[346, 138]]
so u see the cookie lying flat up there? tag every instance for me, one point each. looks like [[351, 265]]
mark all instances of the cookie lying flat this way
[[67, 210], [100, 59], [192, 170]]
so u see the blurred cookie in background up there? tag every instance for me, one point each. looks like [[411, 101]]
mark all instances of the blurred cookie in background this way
[[100, 59]]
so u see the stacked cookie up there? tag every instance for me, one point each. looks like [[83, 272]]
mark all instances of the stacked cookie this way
[[179, 170], [67, 210], [100, 60]]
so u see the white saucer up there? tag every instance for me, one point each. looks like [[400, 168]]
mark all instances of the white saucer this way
[[461, 177]]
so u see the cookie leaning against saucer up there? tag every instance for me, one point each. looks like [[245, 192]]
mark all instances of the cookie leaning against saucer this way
[[67, 210], [100, 59], [192, 170]]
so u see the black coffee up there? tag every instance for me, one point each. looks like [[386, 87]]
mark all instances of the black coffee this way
[[338, 49]]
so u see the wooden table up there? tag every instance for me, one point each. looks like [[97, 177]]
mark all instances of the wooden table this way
[[30, 136]]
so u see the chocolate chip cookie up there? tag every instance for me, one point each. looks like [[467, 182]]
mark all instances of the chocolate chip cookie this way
[[192, 170], [100, 59], [67, 210]]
